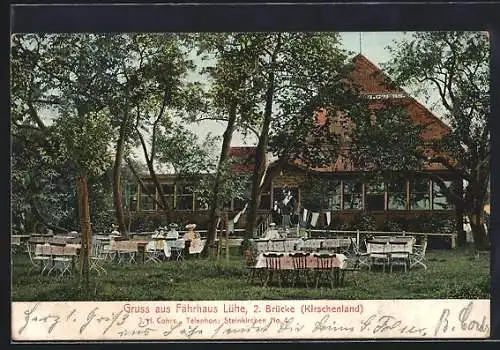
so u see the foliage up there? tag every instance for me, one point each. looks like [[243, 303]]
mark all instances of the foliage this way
[[456, 65]]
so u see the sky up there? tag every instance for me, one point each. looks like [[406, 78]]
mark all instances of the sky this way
[[373, 46]]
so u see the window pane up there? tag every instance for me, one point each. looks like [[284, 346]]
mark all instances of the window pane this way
[[420, 194], [439, 200], [396, 195], [168, 188], [147, 203], [352, 195], [185, 202]]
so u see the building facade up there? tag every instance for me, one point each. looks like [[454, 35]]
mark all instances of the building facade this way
[[337, 196]]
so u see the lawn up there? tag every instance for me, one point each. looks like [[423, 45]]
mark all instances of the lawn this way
[[456, 273]]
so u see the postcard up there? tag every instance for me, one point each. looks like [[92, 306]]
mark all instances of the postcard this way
[[265, 185]]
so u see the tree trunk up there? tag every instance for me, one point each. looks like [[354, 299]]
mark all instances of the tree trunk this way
[[224, 155], [479, 234], [83, 204], [117, 188], [260, 154]]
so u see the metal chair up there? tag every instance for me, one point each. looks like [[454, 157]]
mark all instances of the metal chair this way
[[97, 257], [61, 261], [360, 258], [417, 257], [152, 251], [38, 259], [299, 260]]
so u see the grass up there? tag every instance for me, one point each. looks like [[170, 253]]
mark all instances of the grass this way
[[456, 273]]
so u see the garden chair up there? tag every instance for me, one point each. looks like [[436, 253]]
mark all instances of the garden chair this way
[[325, 268], [417, 257], [177, 249], [167, 252], [299, 260], [152, 251], [378, 253], [273, 267], [62, 262], [97, 257], [250, 263], [360, 258], [400, 254], [399, 259], [38, 259], [126, 251]]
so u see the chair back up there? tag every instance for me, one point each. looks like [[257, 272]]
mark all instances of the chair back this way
[[325, 261], [299, 260], [273, 261]]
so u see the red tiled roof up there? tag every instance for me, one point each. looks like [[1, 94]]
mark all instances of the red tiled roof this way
[[242, 151], [247, 162], [374, 83]]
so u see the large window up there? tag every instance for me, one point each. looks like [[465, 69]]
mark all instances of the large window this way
[[396, 195], [375, 196], [334, 195], [439, 200], [168, 193], [146, 202], [420, 194], [185, 197], [353, 193]]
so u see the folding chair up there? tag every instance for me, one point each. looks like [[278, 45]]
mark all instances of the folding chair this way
[[360, 258], [38, 258], [152, 251], [97, 257], [62, 262], [417, 257], [299, 261], [125, 251], [177, 249]]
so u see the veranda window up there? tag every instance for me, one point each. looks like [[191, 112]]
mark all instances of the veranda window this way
[[168, 193], [439, 200], [185, 197], [420, 194], [334, 195], [353, 193], [375, 196], [147, 202], [396, 195]]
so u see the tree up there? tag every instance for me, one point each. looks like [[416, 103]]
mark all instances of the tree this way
[[295, 75], [232, 99], [70, 75], [160, 95], [456, 65]]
